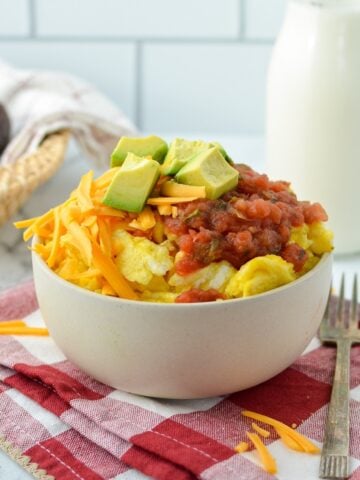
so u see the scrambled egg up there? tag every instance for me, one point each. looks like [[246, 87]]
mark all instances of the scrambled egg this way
[[150, 267], [146, 263], [158, 297], [73, 269], [215, 275], [321, 238], [260, 275], [316, 239], [300, 235], [140, 260]]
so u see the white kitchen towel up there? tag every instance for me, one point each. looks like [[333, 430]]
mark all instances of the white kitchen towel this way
[[41, 102]]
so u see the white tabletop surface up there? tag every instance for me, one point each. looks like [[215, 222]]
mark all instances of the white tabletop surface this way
[[15, 264]]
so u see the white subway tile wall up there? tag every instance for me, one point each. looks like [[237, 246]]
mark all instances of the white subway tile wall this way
[[92, 61], [210, 88], [263, 18], [14, 18], [179, 65], [139, 18]]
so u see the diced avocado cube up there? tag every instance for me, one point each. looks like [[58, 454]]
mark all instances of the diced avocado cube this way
[[151, 146], [132, 184], [180, 152], [222, 151], [210, 169]]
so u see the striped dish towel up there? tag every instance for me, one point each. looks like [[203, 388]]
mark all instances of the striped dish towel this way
[[59, 423]]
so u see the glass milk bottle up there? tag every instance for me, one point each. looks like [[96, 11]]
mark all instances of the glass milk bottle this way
[[313, 111]]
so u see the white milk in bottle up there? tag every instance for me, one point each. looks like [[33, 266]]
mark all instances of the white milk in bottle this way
[[313, 111]]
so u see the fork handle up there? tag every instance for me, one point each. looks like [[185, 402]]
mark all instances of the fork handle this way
[[336, 440]]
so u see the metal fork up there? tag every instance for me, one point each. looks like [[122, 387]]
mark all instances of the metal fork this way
[[344, 331]]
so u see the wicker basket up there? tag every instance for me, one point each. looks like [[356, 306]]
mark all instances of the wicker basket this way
[[20, 179]]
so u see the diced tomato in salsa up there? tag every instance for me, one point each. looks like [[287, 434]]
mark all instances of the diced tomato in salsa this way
[[314, 213], [252, 220], [197, 295], [296, 255]]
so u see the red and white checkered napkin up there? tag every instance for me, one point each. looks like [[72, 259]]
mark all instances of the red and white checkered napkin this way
[[74, 428]]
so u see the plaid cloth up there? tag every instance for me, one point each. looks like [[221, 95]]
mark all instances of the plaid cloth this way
[[59, 423]]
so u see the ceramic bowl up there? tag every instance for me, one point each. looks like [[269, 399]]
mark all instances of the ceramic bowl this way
[[183, 350]]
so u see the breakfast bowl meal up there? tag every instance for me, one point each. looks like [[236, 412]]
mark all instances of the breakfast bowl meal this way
[[179, 273]]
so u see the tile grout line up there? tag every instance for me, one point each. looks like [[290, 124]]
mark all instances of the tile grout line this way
[[242, 21], [139, 85], [32, 18], [140, 40]]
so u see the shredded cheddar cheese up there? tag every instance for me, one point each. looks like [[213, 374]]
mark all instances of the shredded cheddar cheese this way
[[267, 459], [24, 330], [241, 447], [145, 220], [108, 290], [305, 443], [83, 192], [261, 431], [81, 241], [56, 238], [174, 212], [76, 238], [165, 209], [289, 441], [109, 211], [105, 179], [25, 223], [112, 274], [12, 323], [158, 231], [90, 273], [169, 200], [36, 224], [105, 237], [290, 437], [19, 327], [173, 189]]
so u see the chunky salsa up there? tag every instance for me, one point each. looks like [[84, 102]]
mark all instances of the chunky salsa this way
[[254, 219]]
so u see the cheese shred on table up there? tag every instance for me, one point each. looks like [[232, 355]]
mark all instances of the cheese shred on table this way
[[286, 431], [19, 327], [241, 447], [261, 431], [290, 437], [267, 459]]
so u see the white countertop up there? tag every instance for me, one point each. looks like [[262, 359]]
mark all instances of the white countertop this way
[[15, 264]]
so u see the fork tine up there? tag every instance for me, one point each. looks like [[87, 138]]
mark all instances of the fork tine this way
[[340, 305], [326, 319], [327, 316], [353, 322]]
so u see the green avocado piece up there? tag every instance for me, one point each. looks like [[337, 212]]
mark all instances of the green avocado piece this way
[[222, 151], [180, 152], [132, 184], [151, 146], [209, 168]]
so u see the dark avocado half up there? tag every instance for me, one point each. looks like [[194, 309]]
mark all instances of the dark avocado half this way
[[4, 128]]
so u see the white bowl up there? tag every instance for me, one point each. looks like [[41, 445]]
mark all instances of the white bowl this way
[[183, 350]]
